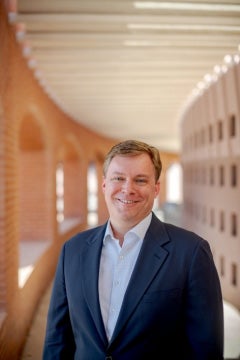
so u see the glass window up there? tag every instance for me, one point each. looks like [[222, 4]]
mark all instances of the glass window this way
[[222, 266], [221, 176], [234, 175], [234, 274], [210, 130], [234, 224], [222, 221], [232, 126], [220, 130]]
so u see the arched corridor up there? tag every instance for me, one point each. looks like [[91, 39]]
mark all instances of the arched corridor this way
[[51, 163]]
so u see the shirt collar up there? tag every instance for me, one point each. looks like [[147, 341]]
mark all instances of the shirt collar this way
[[140, 229]]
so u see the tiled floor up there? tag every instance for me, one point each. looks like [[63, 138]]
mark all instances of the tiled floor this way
[[29, 253], [34, 343], [232, 332]]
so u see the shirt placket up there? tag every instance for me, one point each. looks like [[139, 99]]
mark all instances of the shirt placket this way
[[117, 292]]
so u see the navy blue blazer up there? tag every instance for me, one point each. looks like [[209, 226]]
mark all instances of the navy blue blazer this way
[[172, 307]]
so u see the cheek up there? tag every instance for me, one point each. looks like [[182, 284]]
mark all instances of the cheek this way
[[109, 190], [103, 188]]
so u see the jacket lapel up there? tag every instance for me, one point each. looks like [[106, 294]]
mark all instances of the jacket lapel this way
[[150, 260], [90, 265]]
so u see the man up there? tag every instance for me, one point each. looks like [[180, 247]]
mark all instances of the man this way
[[135, 288]]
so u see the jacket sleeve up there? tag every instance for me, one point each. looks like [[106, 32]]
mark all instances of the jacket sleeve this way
[[204, 307], [59, 340]]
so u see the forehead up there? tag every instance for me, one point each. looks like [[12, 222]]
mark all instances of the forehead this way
[[134, 163]]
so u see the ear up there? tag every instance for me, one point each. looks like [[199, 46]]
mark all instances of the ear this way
[[157, 188], [103, 184]]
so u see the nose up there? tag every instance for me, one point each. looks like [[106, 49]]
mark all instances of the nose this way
[[128, 186]]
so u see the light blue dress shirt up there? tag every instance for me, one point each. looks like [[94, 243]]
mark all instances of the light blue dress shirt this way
[[116, 266]]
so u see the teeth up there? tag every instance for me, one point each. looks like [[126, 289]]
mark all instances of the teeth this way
[[127, 201]]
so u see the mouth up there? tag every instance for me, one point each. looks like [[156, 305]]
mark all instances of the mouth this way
[[127, 202]]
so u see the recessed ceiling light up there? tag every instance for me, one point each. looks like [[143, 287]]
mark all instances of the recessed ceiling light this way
[[185, 6], [181, 27], [236, 58], [139, 43]]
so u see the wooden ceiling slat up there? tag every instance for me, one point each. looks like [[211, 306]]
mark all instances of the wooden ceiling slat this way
[[147, 61]]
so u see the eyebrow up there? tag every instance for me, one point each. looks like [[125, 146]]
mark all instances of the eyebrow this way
[[117, 173], [123, 174]]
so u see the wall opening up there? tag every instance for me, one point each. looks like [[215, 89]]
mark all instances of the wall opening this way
[[34, 198], [92, 200], [173, 206], [68, 188]]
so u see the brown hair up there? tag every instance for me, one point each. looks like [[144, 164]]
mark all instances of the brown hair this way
[[134, 147]]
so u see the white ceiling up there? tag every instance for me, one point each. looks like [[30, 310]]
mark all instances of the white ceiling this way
[[123, 69]]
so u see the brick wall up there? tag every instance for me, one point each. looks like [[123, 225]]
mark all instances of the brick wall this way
[[35, 136], [33, 132], [211, 162]]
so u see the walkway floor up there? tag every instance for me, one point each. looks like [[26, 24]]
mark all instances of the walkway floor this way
[[34, 343]]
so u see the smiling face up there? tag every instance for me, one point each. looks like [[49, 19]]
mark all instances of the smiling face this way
[[130, 188]]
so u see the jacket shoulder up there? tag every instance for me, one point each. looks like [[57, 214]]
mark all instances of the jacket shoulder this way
[[178, 234], [87, 236]]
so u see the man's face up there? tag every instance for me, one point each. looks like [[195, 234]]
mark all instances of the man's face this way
[[130, 189]]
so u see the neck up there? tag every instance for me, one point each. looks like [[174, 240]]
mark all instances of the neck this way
[[119, 231], [119, 236]]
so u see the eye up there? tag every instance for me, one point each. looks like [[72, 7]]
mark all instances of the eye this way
[[141, 181], [118, 178]]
